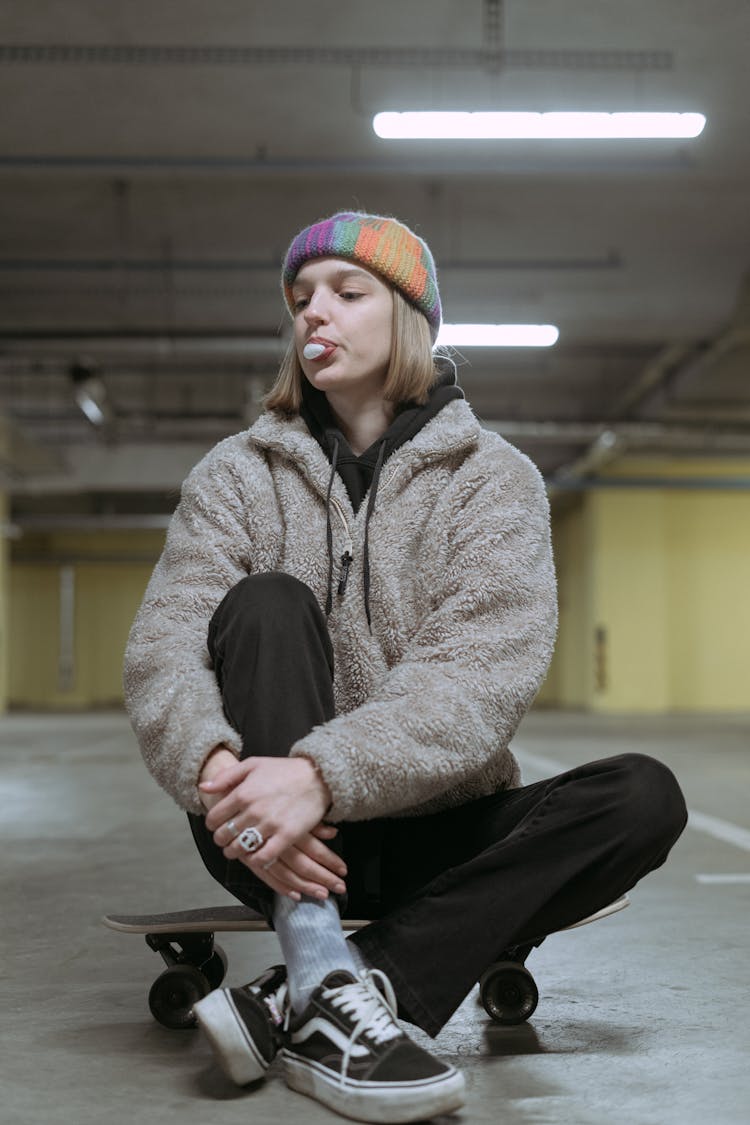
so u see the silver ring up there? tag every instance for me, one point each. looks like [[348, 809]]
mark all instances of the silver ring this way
[[232, 827], [250, 839]]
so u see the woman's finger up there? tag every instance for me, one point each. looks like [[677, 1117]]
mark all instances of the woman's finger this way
[[325, 831], [267, 876], [229, 830], [228, 777], [306, 871], [322, 855], [310, 887], [229, 808]]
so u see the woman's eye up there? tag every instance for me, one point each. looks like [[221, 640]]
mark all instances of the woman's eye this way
[[350, 293], [299, 304]]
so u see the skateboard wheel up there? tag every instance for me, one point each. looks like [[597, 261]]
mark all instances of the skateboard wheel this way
[[174, 993], [215, 969], [508, 993]]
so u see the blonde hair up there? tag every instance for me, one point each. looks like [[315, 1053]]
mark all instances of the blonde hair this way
[[411, 366]]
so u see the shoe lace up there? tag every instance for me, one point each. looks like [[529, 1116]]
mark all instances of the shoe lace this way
[[277, 1004], [371, 1009]]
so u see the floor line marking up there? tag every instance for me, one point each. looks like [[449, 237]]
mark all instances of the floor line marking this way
[[722, 830], [722, 880]]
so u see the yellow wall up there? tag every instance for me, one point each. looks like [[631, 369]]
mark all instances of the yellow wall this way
[[110, 575], [664, 574]]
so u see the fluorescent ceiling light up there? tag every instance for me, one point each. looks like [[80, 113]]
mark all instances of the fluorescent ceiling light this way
[[90, 408], [499, 335], [536, 126], [89, 392]]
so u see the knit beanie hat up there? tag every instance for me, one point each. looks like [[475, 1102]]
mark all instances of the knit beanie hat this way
[[377, 242]]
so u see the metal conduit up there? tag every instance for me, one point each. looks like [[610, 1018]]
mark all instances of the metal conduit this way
[[610, 261], [631, 434], [75, 54], [681, 484]]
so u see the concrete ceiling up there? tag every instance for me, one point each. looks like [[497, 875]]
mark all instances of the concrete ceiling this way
[[156, 158]]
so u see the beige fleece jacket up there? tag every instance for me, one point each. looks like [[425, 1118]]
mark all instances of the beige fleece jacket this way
[[463, 611]]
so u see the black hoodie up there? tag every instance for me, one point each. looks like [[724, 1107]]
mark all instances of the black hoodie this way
[[357, 471], [361, 474]]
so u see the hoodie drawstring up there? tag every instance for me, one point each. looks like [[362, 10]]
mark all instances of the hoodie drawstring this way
[[370, 506], [346, 558], [329, 530]]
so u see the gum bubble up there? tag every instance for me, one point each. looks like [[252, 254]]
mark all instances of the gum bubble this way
[[312, 351]]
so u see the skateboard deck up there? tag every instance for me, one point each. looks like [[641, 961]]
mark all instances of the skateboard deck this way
[[206, 919], [225, 919]]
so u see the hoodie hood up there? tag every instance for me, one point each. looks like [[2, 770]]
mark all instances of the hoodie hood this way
[[357, 471]]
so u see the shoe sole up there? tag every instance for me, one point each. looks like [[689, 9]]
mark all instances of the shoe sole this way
[[375, 1101], [232, 1044]]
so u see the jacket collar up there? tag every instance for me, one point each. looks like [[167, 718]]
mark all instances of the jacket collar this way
[[454, 429]]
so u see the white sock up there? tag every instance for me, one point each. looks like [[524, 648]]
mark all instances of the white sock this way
[[312, 943], [357, 957]]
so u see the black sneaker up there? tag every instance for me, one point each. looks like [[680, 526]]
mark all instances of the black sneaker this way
[[244, 1025], [347, 1050]]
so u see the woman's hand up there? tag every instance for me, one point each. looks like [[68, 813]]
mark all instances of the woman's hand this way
[[220, 759], [285, 799]]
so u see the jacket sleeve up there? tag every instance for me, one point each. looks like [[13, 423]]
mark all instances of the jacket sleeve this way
[[171, 693], [447, 711]]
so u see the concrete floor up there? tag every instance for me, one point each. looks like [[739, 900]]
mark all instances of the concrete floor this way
[[643, 1017]]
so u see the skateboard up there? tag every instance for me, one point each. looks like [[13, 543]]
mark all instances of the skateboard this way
[[196, 964]]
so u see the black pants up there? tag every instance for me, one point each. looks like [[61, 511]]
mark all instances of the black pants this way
[[447, 892]]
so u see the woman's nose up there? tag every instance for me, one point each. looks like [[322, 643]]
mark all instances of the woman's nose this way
[[316, 310]]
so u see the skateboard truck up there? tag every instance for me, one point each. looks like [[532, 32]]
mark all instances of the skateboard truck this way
[[193, 961]]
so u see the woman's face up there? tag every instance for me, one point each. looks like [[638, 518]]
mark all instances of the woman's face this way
[[349, 310]]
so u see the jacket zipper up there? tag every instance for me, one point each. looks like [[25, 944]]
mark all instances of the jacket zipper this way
[[348, 555]]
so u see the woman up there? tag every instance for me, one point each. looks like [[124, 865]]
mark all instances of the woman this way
[[354, 609]]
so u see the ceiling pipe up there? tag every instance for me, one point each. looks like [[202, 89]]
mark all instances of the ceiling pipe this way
[[607, 447], [611, 260], [67, 521], [653, 376], [556, 486], [441, 58], [149, 346], [704, 414], [704, 357], [630, 434], [614, 165]]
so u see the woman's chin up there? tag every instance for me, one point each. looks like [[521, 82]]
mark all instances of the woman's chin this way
[[324, 377]]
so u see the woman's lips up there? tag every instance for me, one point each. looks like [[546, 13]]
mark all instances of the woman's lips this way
[[317, 351]]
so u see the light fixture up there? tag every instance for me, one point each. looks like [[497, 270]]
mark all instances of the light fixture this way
[[499, 335], [466, 126], [89, 392]]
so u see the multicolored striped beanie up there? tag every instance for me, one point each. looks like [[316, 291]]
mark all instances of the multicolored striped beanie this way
[[379, 243]]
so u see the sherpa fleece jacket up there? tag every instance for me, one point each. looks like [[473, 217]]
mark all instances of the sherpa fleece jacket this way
[[462, 597]]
